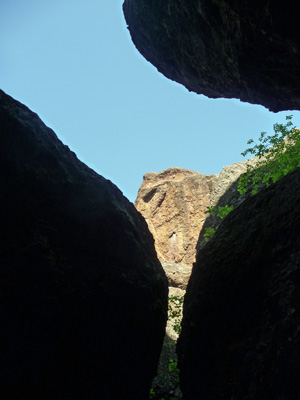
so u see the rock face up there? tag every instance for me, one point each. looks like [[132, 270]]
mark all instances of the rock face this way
[[83, 296], [178, 275], [173, 203], [225, 193], [224, 48], [240, 335]]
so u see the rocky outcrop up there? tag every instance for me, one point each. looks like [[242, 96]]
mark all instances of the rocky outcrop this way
[[83, 297], [173, 203], [225, 193], [240, 335], [224, 48]]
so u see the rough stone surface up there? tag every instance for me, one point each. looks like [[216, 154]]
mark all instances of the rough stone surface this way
[[241, 321], [225, 193], [173, 203], [224, 48], [166, 383], [83, 297], [178, 275]]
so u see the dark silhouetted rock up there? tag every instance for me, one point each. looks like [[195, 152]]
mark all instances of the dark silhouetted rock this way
[[83, 296], [241, 321], [224, 48]]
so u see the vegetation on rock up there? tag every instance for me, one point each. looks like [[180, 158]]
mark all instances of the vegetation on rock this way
[[277, 154], [169, 390]]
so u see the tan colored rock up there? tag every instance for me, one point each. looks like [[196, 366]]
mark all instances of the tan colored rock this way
[[173, 203], [227, 177], [178, 275]]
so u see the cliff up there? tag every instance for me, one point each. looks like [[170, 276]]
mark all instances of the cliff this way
[[240, 334], [241, 317], [83, 297], [173, 203]]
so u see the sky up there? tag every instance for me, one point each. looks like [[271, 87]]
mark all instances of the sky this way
[[74, 64]]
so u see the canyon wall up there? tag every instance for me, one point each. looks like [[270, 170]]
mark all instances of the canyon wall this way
[[83, 296], [173, 203], [240, 334], [241, 319]]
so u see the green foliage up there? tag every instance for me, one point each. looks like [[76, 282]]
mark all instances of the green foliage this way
[[173, 366], [209, 233], [221, 213], [211, 210], [174, 307], [278, 155]]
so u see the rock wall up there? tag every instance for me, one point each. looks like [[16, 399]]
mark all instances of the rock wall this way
[[225, 193], [83, 297], [224, 48], [173, 203], [240, 335]]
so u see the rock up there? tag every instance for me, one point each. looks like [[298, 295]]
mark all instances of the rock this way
[[178, 275], [83, 297], [248, 50], [225, 193], [240, 334], [166, 383], [173, 203], [176, 306], [226, 185]]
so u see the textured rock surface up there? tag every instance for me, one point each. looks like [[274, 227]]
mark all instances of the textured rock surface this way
[[173, 203], [224, 48], [166, 383], [241, 323], [174, 306], [178, 275], [225, 193], [83, 296]]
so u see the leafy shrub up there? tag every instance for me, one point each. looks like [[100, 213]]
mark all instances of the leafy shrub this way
[[278, 155], [174, 308]]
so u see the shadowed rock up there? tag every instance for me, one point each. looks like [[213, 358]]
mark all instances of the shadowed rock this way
[[224, 48], [83, 297], [241, 321], [225, 193]]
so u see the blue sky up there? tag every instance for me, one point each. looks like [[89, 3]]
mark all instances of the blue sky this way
[[73, 63]]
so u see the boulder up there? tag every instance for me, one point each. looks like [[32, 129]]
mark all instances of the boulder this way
[[241, 318], [83, 297], [178, 275], [173, 203], [248, 50]]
